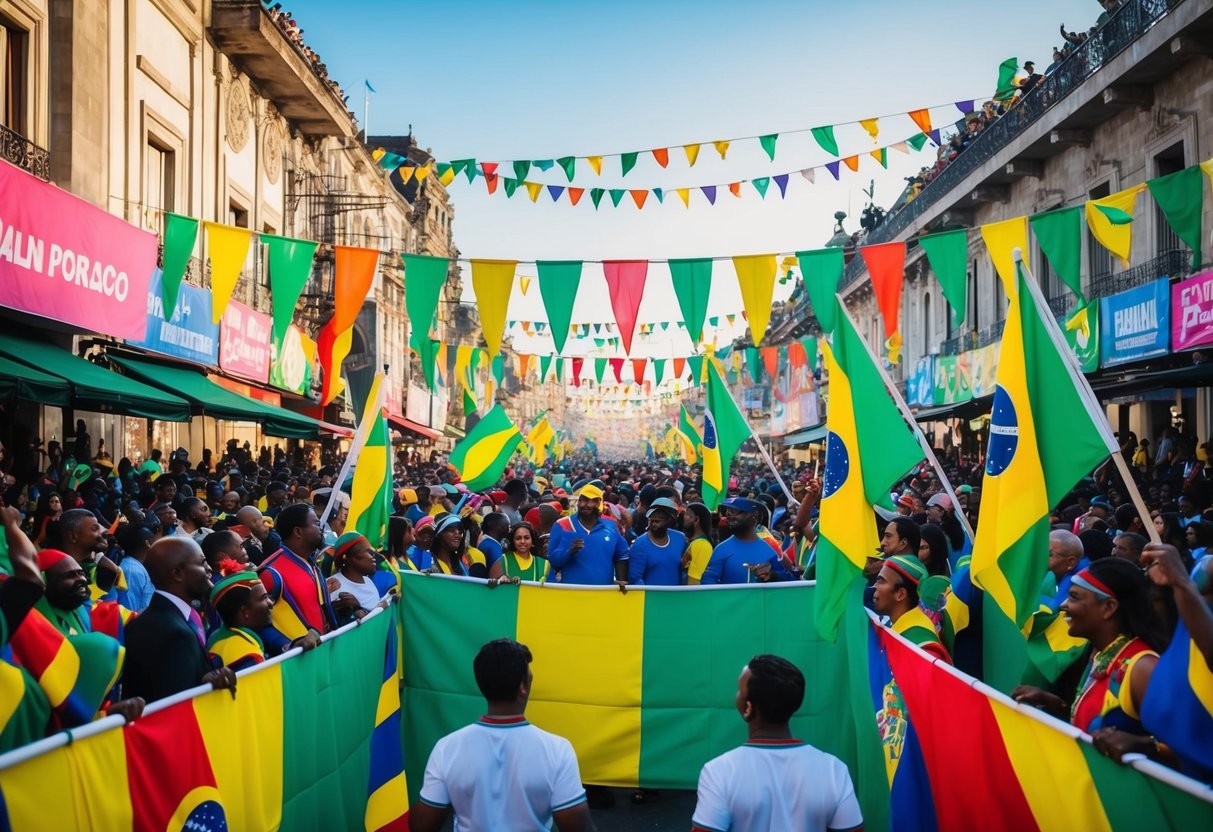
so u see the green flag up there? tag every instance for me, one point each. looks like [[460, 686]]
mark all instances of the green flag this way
[[761, 184], [753, 363], [290, 267], [558, 282], [948, 255], [627, 161], [481, 456], [427, 355], [616, 195], [820, 270], [810, 351], [371, 492], [596, 196], [658, 369], [521, 169], [569, 165], [180, 233], [724, 431], [1005, 89], [690, 433], [1180, 197], [825, 138], [1060, 236], [917, 141], [510, 186], [695, 362], [424, 278], [545, 364], [768, 144]]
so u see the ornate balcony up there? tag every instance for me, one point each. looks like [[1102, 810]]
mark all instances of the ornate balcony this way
[[23, 153]]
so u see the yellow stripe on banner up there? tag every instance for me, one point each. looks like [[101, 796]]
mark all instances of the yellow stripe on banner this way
[[60, 675], [98, 782], [595, 659], [387, 802], [243, 738], [1052, 772], [1200, 677], [34, 794], [481, 455]]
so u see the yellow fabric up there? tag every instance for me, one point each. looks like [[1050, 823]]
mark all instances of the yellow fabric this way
[[595, 163], [756, 277], [721, 148], [440, 363], [1125, 694], [595, 658], [248, 773], [701, 553], [406, 173], [1199, 675], [98, 767], [447, 176], [1002, 238], [692, 151], [341, 348], [227, 247], [36, 789], [482, 454], [685, 195], [532, 189], [492, 281], [372, 471], [1117, 239], [422, 172], [524, 283], [872, 125]]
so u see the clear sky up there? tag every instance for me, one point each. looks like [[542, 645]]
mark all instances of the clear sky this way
[[532, 79]]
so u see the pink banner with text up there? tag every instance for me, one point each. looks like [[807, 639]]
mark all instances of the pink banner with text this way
[[1192, 312], [65, 259], [244, 342]]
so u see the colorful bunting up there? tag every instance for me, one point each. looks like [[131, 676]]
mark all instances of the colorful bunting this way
[[569, 165], [1002, 238], [756, 277], [871, 125], [721, 147], [492, 281], [180, 235], [662, 156], [825, 138], [227, 247], [922, 118], [692, 152], [768, 144], [625, 281], [1180, 197], [353, 274], [627, 161], [886, 266], [1060, 236], [820, 271]]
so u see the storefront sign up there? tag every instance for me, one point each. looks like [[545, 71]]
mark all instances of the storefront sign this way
[[247, 390], [1135, 324], [69, 261], [920, 387], [952, 379], [244, 348], [983, 370], [189, 332], [1192, 312], [291, 366]]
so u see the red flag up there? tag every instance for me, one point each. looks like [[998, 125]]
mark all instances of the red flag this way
[[617, 369], [575, 195], [639, 196], [167, 749], [887, 267], [490, 181], [489, 168], [679, 364], [625, 282], [662, 155], [577, 364], [638, 368], [770, 360]]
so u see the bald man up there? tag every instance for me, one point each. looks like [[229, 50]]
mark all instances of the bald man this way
[[166, 643], [262, 540]]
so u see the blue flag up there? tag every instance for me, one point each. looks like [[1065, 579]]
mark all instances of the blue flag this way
[[368, 85]]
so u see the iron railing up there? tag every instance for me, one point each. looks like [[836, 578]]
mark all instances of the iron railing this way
[[23, 153], [1168, 264]]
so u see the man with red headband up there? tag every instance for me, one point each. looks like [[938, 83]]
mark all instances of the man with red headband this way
[[896, 595]]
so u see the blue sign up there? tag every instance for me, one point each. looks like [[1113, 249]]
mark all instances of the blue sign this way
[[189, 333], [1135, 324], [920, 387]]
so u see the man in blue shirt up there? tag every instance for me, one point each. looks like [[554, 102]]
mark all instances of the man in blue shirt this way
[[655, 558], [586, 549], [493, 530], [744, 557]]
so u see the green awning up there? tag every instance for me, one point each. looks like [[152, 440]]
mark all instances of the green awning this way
[[219, 402], [96, 388], [808, 436], [17, 381]]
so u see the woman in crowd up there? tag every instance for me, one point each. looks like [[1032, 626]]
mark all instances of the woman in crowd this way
[[1171, 532], [49, 507], [352, 591], [1199, 539], [519, 562], [449, 546], [423, 542], [697, 523]]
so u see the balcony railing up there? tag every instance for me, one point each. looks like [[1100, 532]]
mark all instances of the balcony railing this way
[[23, 153], [1167, 264]]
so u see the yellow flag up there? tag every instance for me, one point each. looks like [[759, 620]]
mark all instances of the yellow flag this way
[[378, 153], [341, 348], [423, 171], [685, 195], [595, 163], [872, 125], [524, 283], [533, 189], [447, 176], [721, 148], [1002, 238], [756, 277], [227, 248], [406, 173], [492, 281], [692, 151], [1111, 221]]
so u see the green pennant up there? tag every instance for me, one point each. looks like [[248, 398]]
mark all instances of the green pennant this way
[[600, 365], [521, 169], [695, 362], [1180, 197], [180, 233], [1060, 236], [917, 141], [497, 368], [569, 165], [599, 342], [947, 254], [1004, 89], [596, 196], [616, 195], [545, 364], [510, 186], [768, 144], [882, 156], [1114, 215], [427, 356], [825, 138], [441, 169], [761, 184], [820, 271], [627, 161], [290, 267], [424, 278], [692, 281], [658, 369], [461, 165], [660, 194], [560, 369], [558, 283], [469, 404], [714, 320], [809, 343], [753, 363], [665, 326]]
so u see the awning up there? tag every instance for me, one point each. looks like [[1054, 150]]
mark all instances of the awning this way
[[17, 381], [453, 432], [96, 388], [807, 436], [401, 423], [219, 403], [968, 409], [1128, 381]]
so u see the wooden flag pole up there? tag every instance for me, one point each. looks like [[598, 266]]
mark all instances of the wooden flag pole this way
[[908, 416]]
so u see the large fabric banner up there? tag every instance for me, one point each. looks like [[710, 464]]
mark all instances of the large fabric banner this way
[[185, 333], [66, 260], [920, 386], [244, 349], [1192, 312], [1135, 324], [952, 381], [292, 750], [983, 370]]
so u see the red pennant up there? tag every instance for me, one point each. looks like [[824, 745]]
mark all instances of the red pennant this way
[[662, 155], [625, 283], [639, 197], [577, 364], [489, 168], [796, 355], [679, 364], [735, 189], [887, 267], [638, 368], [490, 181], [770, 360], [575, 195], [617, 369]]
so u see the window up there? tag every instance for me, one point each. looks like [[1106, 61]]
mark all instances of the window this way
[[928, 329], [1166, 240], [14, 49], [1099, 259], [974, 316], [263, 255], [158, 184]]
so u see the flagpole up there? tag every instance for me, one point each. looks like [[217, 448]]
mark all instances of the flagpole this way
[[1095, 411], [355, 450], [908, 416], [763, 451]]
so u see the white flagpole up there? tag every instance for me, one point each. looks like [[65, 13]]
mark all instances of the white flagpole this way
[[754, 435], [355, 449]]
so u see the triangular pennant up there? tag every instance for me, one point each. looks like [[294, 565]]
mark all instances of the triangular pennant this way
[[922, 118], [886, 267], [492, 281], [616, 195], [852, 162], [227, 248], [625, 283], [871, 125], [422, 172], [445, 173], [1180, 197], [1059, 234], [881, 155], [533, 189], [709, 191], [761, 184], [721, 147], [965, 107], [810, 174], [662, 156], [735, 189], [406, 173], [575, 195], [1110, 220], [627, 161], [768, 144], [544, 164], [936, 136], [1002, 238], [639, 196], [677, 366], [660, 194], [511, 185], [577, 364], [617, 369], [558, 284], [825, 138], [947, 254], [833, 167], [638, 365], [488, 168], [490, 182], [900, 147], [545, 366], [756, 277], [918, 141], [600, 365], [524, 283], [555, 191], [695, 362], [692, 152], [782, 181], [521, 169], [569, 165], [685, 195], [290, 266], [596, 196], [820, 271], [180, 235], [595, 163]]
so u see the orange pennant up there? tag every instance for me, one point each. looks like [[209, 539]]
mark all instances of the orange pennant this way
[[679, 365], [735, 189], [922, 118], [852, 162], [662, 155], [491, 180], [575, 195], [770, 360], [524, 363], [639, 197]]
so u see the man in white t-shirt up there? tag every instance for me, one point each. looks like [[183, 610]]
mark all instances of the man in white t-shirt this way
[[501, 772], [774, 782]]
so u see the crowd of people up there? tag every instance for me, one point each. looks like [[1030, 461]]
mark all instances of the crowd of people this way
[[291, 30]]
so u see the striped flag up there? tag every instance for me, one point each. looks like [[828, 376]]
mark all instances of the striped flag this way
[[724, 431], [481, 456], [371, 493], [689, 437], [387, 805]]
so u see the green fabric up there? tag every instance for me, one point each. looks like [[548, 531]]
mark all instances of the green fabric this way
[[659, 193], [180, 234], [820, 270], [695, 362], [467, 166], [521, 169], [219, 402], [31, 718], [1114, 215], [22, 382], [596, 196], [627, 161], [600, 365], [1060, 236], [1180, 197], [692, 281], [825, 138], [731, 432], [1005, 87], [545, 364], [290, 267], [424, 278], [761, 184], [569, 165], [96, 388], [810, 351], [917, 141], [427, 355], [753, 363], [372, 522], [497, 368], [325, 772], [510, 186], [768, 144], [658, 369], [948, 254], [558, 282], [1087, 353], [1132, 800], [616, 195]]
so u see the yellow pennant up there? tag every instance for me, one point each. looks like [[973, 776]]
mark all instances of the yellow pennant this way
[[872, 125], [423, 171], [595, 162], [1002, 238], [378, 153], [685, 195], [1115, 236], [492, 281], [533, 188], [524, 283], [721, 148], [227, 247], [447, 176], [406, 173], [341, 348], [692, 151], [463, 361]]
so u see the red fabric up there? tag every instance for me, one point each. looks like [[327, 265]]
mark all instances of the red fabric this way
[[638, 368], [490, 181], [49, 557], [617, 369], [662, 155], [796, 355], [575, 195], [770, 360], [639, 196], [679, 365], [887, 267], [166, 761], [958, 733], [625, 283], [489, 168], [576, 365]]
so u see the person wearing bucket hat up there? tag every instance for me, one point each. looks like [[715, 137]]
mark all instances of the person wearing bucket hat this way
[[895, 595], [244, 607], [585, 548], [655, 558]]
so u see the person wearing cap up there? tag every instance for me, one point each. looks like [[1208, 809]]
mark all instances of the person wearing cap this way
[[275, 499], [655, 558], [895, 596], [449, 547], [587, 549], [743, 557], [245, 609], [352, 592], [420, 506]]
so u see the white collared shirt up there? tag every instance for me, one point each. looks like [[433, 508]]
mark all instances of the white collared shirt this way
[[182, 607]]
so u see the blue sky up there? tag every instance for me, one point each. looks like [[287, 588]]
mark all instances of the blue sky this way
[[500, 81]]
